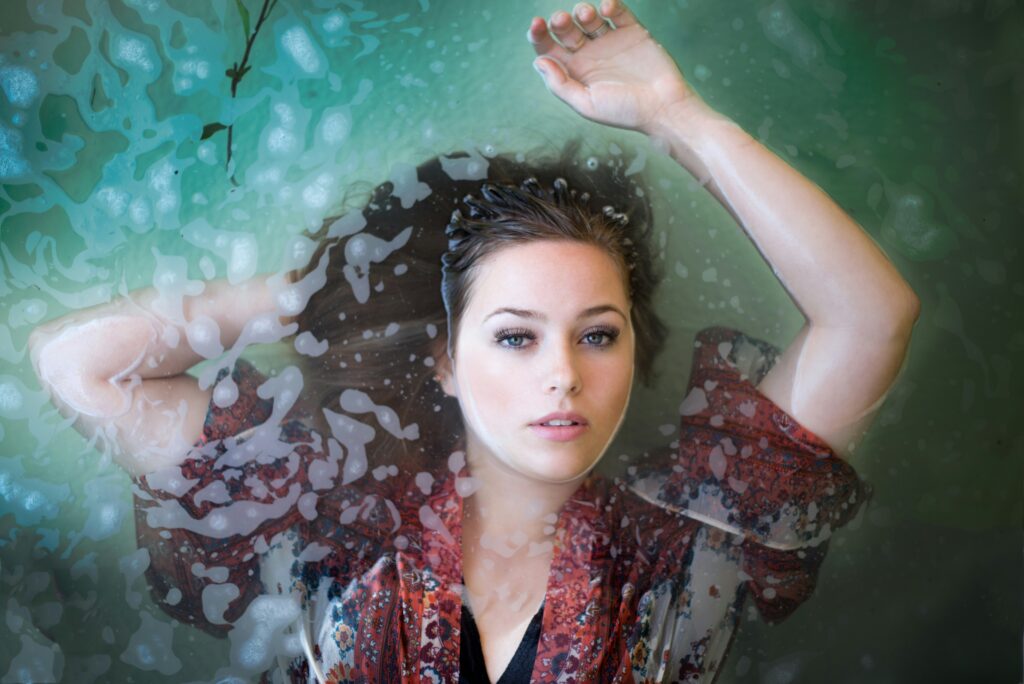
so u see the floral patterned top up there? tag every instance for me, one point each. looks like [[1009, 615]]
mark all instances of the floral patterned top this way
[[328, 571]]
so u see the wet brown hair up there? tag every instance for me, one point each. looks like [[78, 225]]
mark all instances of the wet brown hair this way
[[397, 273]]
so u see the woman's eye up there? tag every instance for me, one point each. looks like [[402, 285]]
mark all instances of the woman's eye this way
[[513, 339], [519, 339], [600, 338]]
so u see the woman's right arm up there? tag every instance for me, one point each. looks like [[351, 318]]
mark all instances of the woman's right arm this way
[[120, 368]]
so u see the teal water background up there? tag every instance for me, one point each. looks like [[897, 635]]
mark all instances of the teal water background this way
[[114, 175]]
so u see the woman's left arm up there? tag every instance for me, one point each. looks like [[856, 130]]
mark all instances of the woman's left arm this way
[[860, 311]]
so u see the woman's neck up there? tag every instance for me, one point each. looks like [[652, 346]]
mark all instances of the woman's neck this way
[[508, 538], [511, 514]]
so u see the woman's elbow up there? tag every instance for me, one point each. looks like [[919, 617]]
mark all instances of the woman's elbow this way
[[902, 313], [913, 304]]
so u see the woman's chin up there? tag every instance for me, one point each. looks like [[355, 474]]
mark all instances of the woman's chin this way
[[554, 472]]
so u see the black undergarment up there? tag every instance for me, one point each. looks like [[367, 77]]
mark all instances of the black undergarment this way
[[472, 669]]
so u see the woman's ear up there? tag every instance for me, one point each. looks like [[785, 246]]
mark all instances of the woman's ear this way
[[447, 383], [443, 374]]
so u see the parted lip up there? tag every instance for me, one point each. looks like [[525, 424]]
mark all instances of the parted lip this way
[[561, 415]]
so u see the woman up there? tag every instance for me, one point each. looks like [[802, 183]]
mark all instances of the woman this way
[[497, 553]]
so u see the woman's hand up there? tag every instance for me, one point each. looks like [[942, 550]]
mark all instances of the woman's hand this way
[[616, 76]]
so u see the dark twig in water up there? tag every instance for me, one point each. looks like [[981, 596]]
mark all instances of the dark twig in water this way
[[238, 71]]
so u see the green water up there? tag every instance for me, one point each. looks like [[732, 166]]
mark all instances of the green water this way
[[113, 158]]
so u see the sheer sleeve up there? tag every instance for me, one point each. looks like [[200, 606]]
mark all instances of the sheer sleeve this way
[[205, 523], [743, 465]]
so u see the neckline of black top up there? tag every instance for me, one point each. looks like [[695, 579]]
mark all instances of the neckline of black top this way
[[473, 670]]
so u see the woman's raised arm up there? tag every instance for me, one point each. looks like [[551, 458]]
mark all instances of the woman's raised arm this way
[[859, 310], [120, 368]]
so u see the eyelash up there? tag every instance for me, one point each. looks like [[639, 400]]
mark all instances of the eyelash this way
[[507, 333]]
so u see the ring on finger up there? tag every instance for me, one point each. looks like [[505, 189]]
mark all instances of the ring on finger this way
[[598, 32]]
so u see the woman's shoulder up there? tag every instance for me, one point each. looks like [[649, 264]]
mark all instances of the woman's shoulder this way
[[740, 462]]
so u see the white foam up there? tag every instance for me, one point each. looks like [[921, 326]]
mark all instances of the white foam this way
[[207, 152], [334, 22], [11, 400], [203, 336], [225, 393], [11, 162], [113, 200], [20, 85], [300, 48], [133, 51], [473, 167], [151, 647], [258, 636], [695, 402], [281, 141], [243, 259], [335, 126], [316, 194], [139, 211], [216, 600], [206, 267], [307, 344]]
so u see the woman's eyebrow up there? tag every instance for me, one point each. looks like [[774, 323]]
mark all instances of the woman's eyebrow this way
[[528, 313]]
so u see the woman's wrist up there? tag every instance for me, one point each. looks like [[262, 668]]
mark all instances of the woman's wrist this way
[[685, 130]]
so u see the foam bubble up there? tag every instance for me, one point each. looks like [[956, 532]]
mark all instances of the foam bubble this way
[[19, 84], [407, 186], [300, 48], [207, 268], [335, 126], [11, 400], [203, 336], [306, 344], [150, 647], [225, 393], [317, 194], [207, 152], [473, 167], [334, 22], [216, 599], [134, 52], [243, 260], [139, 211], [113, 200], [11, 162], [281, 141]]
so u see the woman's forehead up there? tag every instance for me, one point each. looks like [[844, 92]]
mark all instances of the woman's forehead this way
[[551, 278]]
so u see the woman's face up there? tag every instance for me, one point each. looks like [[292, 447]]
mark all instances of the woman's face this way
[[545, 336]]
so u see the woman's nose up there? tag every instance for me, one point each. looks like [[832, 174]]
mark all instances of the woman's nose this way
[[563, 373]]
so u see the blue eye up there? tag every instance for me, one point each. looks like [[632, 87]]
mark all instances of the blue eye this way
[[603, 337], [520, 338], [513, 338]]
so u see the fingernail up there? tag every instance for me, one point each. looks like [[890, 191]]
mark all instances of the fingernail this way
[[540, 69]]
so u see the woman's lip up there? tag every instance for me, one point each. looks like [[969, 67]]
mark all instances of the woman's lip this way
[[561, 415], [558, 433]]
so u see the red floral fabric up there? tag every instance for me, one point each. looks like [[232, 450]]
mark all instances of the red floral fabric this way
[[363, 577]]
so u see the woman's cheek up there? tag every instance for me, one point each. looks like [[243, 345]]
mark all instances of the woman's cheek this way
[[491, 381], [499, 381]]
